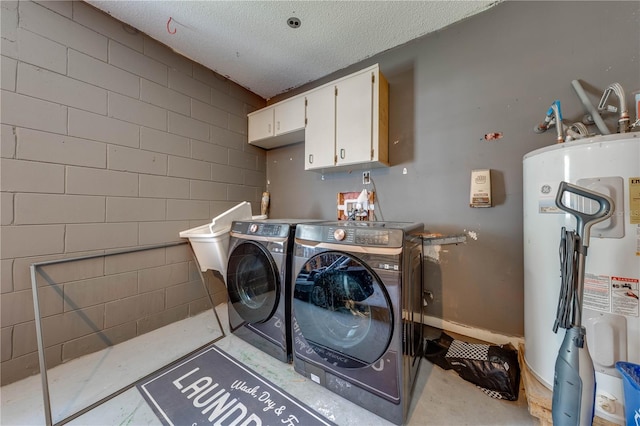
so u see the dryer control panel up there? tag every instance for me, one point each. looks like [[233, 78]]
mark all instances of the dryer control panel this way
[[261, 229]]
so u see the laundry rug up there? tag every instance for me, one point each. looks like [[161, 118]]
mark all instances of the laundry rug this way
[[212, 387]]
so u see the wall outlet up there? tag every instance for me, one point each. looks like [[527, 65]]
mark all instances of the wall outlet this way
[[366, 178]]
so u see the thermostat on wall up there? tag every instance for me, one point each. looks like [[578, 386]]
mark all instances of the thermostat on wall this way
[[480, 188]]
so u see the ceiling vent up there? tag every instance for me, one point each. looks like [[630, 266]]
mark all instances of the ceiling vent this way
[[294, 22]]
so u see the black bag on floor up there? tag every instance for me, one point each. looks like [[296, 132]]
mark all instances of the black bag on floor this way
[[492, 368]]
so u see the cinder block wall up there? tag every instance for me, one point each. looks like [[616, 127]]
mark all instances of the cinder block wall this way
[[109, 141]]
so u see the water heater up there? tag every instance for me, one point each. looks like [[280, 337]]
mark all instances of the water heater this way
[[608, 164]]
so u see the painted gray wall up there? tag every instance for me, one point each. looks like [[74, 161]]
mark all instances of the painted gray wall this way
[[495, 72], [109, 141]]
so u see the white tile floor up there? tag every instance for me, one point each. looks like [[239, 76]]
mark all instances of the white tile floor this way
[[440, 397]]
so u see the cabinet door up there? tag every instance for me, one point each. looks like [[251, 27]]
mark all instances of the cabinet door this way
[[354, 119], [261, 124], [319, 145], [289, 116]]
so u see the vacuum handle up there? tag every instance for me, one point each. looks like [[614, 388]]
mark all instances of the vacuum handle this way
[[585, 220]]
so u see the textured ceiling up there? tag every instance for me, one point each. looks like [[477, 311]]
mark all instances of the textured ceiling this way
[[251, 43]]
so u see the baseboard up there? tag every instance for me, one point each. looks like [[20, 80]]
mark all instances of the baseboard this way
[[476, 333]]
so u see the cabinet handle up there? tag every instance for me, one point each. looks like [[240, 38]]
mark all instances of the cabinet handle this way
[[342, 153], [278, 127], [269, 128], [310, 158]]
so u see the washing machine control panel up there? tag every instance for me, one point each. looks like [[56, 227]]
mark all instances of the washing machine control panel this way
[[357, 233], [373, 238], [361, 237]]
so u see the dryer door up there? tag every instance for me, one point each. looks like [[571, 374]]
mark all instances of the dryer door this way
[[253, 282], [342, 310]]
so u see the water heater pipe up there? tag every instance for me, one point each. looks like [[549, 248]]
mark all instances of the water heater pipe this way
[[576, 131], [553, 116], [588, 106], [623, 122]]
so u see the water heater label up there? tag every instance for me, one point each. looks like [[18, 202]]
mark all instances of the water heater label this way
[[616, 295], [634, 200], [597, 294], [547, 197], [625, 295]]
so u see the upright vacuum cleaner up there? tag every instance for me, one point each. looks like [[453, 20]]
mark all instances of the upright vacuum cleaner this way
[[574, 383]]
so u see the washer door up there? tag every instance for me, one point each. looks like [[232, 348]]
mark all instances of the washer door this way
[[342, 310], [253, 282]]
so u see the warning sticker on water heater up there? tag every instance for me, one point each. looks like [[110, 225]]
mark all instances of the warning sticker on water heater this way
[[597, 294], [625, 296], [617, 295]]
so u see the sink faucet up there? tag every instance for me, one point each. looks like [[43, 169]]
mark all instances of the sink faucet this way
[[554, 116], [623, 121]]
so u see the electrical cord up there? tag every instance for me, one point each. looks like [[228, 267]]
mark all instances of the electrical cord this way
[[378, 207], [567, 300]]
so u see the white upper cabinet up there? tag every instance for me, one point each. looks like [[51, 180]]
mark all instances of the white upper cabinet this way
[[261, 124], [289, 115], [347, 122], [320, 139], [278, 125], [358, 139], [342, 123]]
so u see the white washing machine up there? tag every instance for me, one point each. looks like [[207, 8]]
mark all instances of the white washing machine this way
[[357, 311], [607, 164]]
